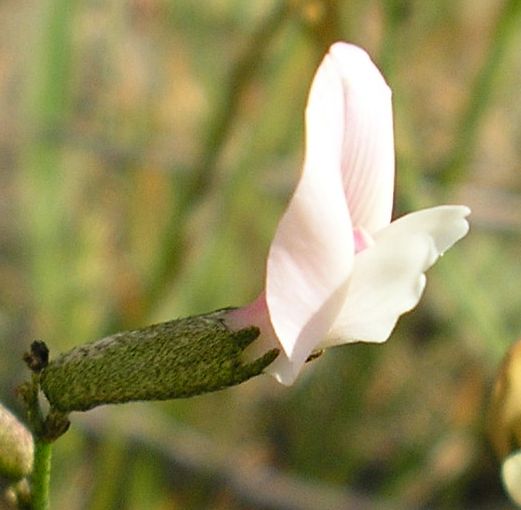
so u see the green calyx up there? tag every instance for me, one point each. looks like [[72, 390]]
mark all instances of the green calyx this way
[[174, 359]]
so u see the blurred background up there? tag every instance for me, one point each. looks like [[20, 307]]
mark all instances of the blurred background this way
[[147, 150]]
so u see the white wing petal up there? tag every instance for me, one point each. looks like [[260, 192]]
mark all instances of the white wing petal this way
[[387, 278]]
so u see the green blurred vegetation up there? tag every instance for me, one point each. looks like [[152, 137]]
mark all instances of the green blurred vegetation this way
[[148, 148]]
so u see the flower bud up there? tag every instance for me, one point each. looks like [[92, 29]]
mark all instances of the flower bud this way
[[16, 447], [504, 414], [511, 476], [504, 421]]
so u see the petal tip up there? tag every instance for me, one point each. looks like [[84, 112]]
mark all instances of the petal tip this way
[[355, 60]]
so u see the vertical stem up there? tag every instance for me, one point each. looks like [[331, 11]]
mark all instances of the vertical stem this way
[[44, 430], [467, 130], [41, 474], [202, 176]]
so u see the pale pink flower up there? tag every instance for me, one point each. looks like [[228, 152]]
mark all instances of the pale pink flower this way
[[338, 270]]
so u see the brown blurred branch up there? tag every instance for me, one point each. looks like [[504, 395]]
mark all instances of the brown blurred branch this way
[[321, 18], [254, 483], [241, 74]]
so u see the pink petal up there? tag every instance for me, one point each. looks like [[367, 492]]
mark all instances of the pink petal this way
[[256, 313], [368, 144], [311, 255], [362, 239], [387, 278]]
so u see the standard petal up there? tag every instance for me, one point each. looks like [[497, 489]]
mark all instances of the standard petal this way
[[387, 278], [368, 144], [311, 255]]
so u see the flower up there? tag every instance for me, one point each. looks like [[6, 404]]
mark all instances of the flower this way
[[338, 270]]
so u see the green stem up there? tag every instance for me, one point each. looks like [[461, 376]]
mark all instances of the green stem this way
[[41, 474]]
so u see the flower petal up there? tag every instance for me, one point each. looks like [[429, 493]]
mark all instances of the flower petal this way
[[446, 224], [308, 269], [256, 314], [311, 255], [511, 476], [368, 144], [387, 278], [283, 369]]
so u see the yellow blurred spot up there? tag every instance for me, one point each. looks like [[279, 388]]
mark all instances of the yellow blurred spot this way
[[313, 11], [504, 417]]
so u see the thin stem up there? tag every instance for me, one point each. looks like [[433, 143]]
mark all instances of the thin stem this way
[[481, 93], [240, 77], [44, 430], [327, 28], [41, 474], [202, 177]]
